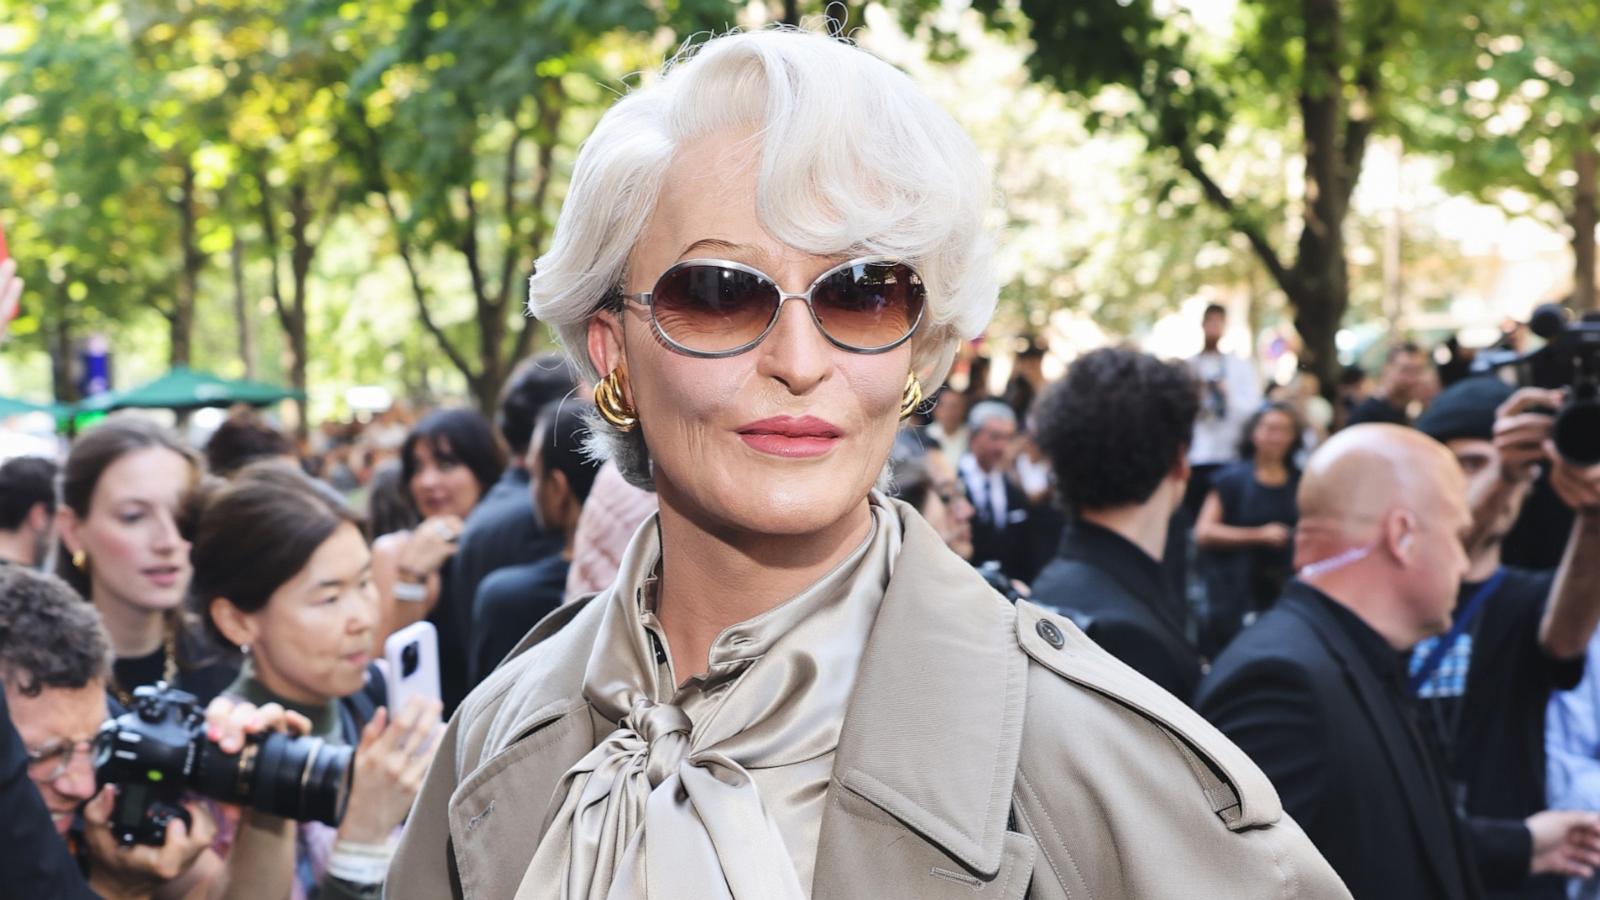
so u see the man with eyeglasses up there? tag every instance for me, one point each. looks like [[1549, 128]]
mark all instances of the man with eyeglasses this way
[[54, 656]]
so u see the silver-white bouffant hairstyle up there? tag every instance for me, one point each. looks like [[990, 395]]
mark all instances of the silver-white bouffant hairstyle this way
[[855, 158]]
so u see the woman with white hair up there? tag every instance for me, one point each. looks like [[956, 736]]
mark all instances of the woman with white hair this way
[[793, 688]]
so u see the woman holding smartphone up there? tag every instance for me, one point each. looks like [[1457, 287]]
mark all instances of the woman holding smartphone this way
[[283, 574]]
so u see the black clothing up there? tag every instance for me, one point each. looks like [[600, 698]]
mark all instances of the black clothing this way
[[205, 679], [1246, 580], [34, 860], [500, 531], [1022, 543], [1377, 409], [1539, 537], [1319, 701], [1494, 731], [1120, 596], [509, 603]]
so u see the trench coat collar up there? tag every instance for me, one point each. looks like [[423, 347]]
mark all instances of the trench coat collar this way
[[934, 728]]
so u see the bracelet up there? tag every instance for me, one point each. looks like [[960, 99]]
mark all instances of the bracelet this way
[[407, 592], [360, 863]]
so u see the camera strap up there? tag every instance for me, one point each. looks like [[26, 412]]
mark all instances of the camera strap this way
[[1464, 621]]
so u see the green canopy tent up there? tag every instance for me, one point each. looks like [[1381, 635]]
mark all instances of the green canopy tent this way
[[10, 407], [186, 389]]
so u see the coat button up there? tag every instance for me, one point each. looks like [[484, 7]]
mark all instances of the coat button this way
[[1052, 635]]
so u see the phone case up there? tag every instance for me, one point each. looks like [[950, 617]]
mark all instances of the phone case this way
[[412, 657]]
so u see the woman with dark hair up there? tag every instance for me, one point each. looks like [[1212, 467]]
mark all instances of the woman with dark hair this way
[[282, 574], [1246, 525], [123, 522], [447, 463]]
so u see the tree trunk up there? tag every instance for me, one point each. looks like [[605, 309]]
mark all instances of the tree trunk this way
[[1319, 288], [241, 310], [182, 318], [302, 251], [1583, 227], [791, 12], [61, 349]]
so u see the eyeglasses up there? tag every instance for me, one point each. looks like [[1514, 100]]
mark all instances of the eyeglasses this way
[[715, 308], [51, 762]]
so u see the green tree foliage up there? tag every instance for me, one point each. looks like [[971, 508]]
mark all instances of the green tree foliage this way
[[464, 128], [1318, 69], [1509, 94]]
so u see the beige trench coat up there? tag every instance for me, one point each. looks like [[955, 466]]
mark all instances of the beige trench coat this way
[[978, 758]]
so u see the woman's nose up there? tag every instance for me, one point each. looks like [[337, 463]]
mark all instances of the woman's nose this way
[[796, 352]]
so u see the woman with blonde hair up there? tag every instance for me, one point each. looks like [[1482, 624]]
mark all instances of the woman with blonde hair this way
[[793, 688]]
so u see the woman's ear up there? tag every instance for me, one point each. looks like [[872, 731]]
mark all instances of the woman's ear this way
[[68, 525], [605, 341], [236, 625]]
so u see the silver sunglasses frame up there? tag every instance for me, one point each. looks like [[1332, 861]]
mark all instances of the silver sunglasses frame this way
[[646, 298]]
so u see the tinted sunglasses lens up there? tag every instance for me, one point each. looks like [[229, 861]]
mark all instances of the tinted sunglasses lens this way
[[711, 309], [869, 305]]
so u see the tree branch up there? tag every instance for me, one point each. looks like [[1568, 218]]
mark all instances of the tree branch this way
[[1237, 218], [378, 182], [508, 188], [269, 236], [469, 250], [1369, 81]]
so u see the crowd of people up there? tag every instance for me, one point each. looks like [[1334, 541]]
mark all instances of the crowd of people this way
[[762, 620]]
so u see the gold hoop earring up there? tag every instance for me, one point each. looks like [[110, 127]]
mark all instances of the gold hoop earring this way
[[912, 397], [78, 559], [612, 403]]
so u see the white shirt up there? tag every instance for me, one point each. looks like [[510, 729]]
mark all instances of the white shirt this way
[[987, 490], [1217, 432]]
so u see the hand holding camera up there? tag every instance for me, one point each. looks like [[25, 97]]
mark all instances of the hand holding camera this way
[[165, 745], [1525, 436]]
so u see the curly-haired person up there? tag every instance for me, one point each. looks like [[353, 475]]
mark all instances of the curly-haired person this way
[[1117, 431]]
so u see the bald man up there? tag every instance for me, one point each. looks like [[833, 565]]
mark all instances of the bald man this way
[[1315, 691]]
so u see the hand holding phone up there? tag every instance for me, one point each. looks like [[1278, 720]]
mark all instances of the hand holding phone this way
[[412, 658]]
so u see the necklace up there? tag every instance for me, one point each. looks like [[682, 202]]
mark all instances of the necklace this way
[[169, 669]]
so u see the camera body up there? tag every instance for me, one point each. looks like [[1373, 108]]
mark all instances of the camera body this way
[[1569, 359], [158, 750]]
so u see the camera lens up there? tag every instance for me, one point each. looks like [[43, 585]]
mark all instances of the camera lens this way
[[1577, 432], [301, 778], [408, 660]]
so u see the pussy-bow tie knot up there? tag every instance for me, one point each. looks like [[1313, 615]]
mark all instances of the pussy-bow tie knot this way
[[665, 729]]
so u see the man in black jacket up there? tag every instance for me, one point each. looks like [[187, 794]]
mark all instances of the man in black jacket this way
[[1116, 429], [1315, 691], [502, 530]]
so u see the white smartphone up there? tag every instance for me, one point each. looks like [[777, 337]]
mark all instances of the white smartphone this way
[[412, 664]]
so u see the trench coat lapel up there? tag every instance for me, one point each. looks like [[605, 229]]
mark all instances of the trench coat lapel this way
[[496, 813], [1397, 745], [922, 782]]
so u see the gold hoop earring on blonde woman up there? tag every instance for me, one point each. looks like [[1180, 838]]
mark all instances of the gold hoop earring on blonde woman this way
[[912, 397], [611, 401]]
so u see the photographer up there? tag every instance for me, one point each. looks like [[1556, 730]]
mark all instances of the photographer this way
[[1519, 635], [283, 574], [54, 660]]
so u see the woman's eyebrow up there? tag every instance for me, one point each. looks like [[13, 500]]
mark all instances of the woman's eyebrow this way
[[714, 244]]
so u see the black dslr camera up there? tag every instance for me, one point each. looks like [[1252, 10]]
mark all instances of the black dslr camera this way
[[158, 749], [1570, 358]]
